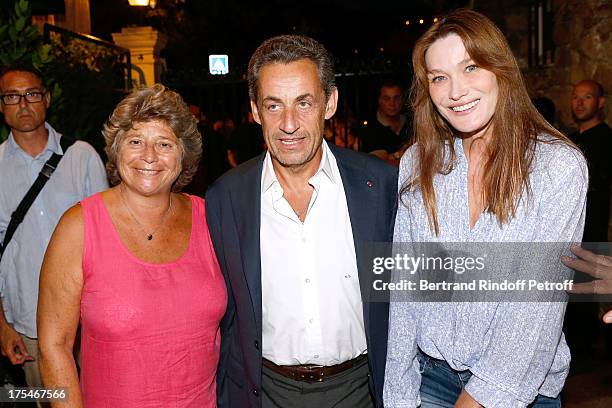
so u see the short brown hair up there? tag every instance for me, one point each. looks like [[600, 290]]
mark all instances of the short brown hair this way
[[290, 48], [21, 66], [148, 104]]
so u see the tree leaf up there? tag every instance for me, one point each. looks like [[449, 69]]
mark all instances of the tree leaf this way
[[12, 34], [57, 91], [19, 52], [20, 23], [21, 7], [4, 132], [44, 53]]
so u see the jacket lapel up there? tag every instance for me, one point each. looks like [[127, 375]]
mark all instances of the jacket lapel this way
[[246, 203], [360, 189]]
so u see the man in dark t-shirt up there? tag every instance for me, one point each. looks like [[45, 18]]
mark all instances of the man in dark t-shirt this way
[[388, 134], [594, 138]]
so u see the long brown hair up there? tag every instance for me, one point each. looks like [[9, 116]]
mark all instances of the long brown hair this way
[[516, 123]]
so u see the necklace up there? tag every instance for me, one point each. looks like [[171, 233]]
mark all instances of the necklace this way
[[149, 235]]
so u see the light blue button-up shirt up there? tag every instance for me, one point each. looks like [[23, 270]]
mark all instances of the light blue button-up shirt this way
[[80, 173], [514, 350]]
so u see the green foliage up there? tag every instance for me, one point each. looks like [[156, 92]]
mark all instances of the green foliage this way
[[20, 41], [81, 75], [91, 82]]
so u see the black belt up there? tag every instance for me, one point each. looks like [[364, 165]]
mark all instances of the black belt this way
[[312, 372]]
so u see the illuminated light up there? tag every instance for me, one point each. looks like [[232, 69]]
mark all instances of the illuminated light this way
[[382, 49], [356, 51], [365, 123], [407, 22], [435, 19], [421, 21], [142, 3]]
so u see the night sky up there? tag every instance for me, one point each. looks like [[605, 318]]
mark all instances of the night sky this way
[[201, 27]]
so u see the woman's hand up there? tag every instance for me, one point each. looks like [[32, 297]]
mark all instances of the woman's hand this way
[[465, 400]]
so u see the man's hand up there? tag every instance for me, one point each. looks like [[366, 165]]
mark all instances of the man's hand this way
[[465, 400], [597, 266], [13, 346]]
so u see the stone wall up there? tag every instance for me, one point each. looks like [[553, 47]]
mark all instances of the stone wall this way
[[583, 49]]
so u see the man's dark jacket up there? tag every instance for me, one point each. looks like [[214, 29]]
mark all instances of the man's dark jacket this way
[[233, 212]]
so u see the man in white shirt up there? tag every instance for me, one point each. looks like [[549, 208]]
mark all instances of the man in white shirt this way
[[24, 101], [286, 226]]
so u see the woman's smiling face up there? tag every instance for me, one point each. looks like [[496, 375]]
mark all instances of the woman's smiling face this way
[[149, 158], [462, 92]]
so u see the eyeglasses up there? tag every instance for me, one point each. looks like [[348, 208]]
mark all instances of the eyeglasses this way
[[30, 97]]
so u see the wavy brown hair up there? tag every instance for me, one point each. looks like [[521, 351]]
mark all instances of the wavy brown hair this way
[[515, 125], [148, 104]]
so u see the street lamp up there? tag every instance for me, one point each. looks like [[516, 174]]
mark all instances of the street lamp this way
[[142, 3], [140, 9], [145, 44]]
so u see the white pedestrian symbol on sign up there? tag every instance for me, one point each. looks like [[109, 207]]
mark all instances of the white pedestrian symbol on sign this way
[[218, 64]]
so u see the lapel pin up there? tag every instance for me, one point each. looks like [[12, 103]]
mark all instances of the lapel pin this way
[[369, 183]]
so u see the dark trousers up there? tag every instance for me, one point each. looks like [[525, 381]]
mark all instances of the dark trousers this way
[[348, 389], [441, 385]]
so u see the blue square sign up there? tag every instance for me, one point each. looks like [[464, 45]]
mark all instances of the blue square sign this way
[[218, 64]]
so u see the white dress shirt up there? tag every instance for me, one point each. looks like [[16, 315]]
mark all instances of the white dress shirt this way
[[311, 301]]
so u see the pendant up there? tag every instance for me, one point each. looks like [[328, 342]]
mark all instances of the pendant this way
[[150, 237]]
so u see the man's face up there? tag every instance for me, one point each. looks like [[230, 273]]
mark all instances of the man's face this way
[[586, 102], [24, 116], [292, 109], [390, 100]]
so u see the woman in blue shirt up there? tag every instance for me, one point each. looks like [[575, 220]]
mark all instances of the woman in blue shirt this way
[[486, 167]]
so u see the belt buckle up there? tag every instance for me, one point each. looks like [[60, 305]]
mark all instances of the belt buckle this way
[[47, 170], [312, 373]]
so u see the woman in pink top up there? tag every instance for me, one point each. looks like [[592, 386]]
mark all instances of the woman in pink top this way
[[136, 267]]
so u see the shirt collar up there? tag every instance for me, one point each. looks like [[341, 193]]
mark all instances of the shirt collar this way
[[53, 144], [268, 176]]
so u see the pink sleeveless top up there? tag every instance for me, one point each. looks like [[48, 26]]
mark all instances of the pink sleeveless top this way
[[150, 332]]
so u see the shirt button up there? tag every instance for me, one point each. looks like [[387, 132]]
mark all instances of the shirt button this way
[[255, 392], [307, 280], [303, 239], [256, 344], [347, 276], [316, 356], [311, 321], [42, 213]]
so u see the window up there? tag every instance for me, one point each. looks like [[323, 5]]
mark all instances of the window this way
[[541, 45]]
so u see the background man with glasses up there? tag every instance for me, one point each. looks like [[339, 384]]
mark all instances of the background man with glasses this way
[[24, 102]]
